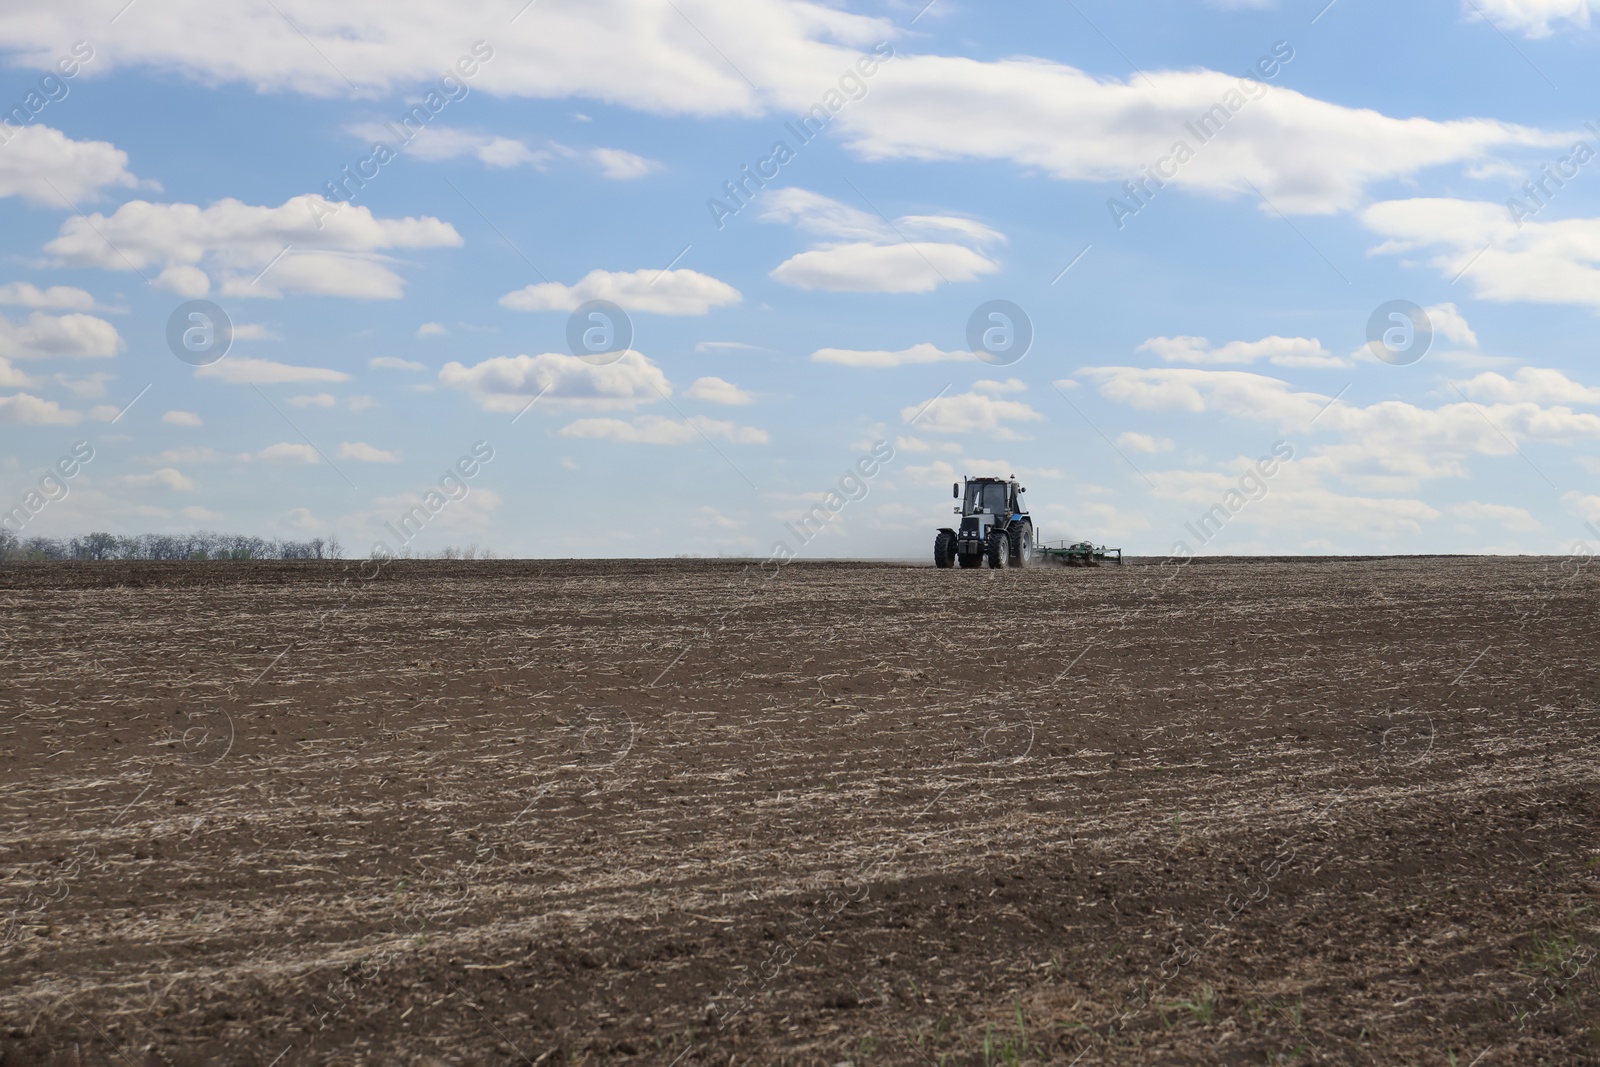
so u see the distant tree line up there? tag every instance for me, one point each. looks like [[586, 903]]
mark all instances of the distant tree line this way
[[195, 546]]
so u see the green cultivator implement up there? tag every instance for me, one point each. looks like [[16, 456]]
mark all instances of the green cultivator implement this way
[[1082, 554]]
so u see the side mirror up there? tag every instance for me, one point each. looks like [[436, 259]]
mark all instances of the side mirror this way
[[955, 490], [1022, 490]]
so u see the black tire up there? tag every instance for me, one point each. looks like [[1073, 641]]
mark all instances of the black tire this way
[[968, 560], [1022, 544], [999, 549], [944, 550]]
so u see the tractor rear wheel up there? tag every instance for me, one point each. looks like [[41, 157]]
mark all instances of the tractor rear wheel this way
[[1022, 544], [944, 550], [999, 549]]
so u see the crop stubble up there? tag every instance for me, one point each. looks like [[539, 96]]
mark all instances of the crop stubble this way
[[1334, 811]]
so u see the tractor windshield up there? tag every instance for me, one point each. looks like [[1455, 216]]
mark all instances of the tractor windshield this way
[[987, 496]]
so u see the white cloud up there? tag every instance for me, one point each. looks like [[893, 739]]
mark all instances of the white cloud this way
[[917, 444], [1305, 154], [365, 453], [73, 335], [871, 255], [26, 294], [918, 353], [1143, 442], [1390, 446], [621, 165], [182, 418], [37, 161], [508, 383], [394, 363], [242, 370], [1539, 262], [972, 412], [362, 403], [1517, 520], [191, 454], [242, 246], [254, 331], [727, 346], [28, 410], [658, 430], [1532, 17], [1586, 505], [717, 391], [431, 329], [708, 517], [1283, 351], [435, 143], [672, 292], [288, 452], [313, 400], [11, 377], [1448, 322], [1531, 385], [200, 514], [168, 478]]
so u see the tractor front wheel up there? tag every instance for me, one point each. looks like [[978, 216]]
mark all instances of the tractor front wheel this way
[[999, 549], [944, 550], [969, 560]]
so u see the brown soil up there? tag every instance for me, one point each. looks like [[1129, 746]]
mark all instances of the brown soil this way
[[1248, 811]]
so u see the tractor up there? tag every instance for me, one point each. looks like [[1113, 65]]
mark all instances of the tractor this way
[[994, 526]]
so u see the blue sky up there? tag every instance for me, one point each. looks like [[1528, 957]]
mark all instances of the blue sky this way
[[378, 341]]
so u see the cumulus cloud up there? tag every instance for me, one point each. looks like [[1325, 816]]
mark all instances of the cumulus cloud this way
[[243, 370], [57, 297], [918, 353], [716, 391], [168, 478], [435, 143], [1143, 442], [69, 336], [11, 377], [1534, 385], [289, 452], [622, 165], [1042, 116], [28, 410], [182, 418], [307, 244], [43, 165], [977, 411], [1534, 18], [659, 430], [1283, 351], [313, 400], [672, 292], [1551, 262], [869, 255], [1517, 520], [1390, 446], [432, 329], [394, 363], [362, 452], [508, 383]]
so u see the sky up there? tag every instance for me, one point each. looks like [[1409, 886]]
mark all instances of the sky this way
[[764, 277]]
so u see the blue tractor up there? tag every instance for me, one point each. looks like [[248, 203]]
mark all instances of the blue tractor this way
[[995, 527]]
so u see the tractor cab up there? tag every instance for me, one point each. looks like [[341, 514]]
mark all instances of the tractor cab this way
[[995, 526]]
